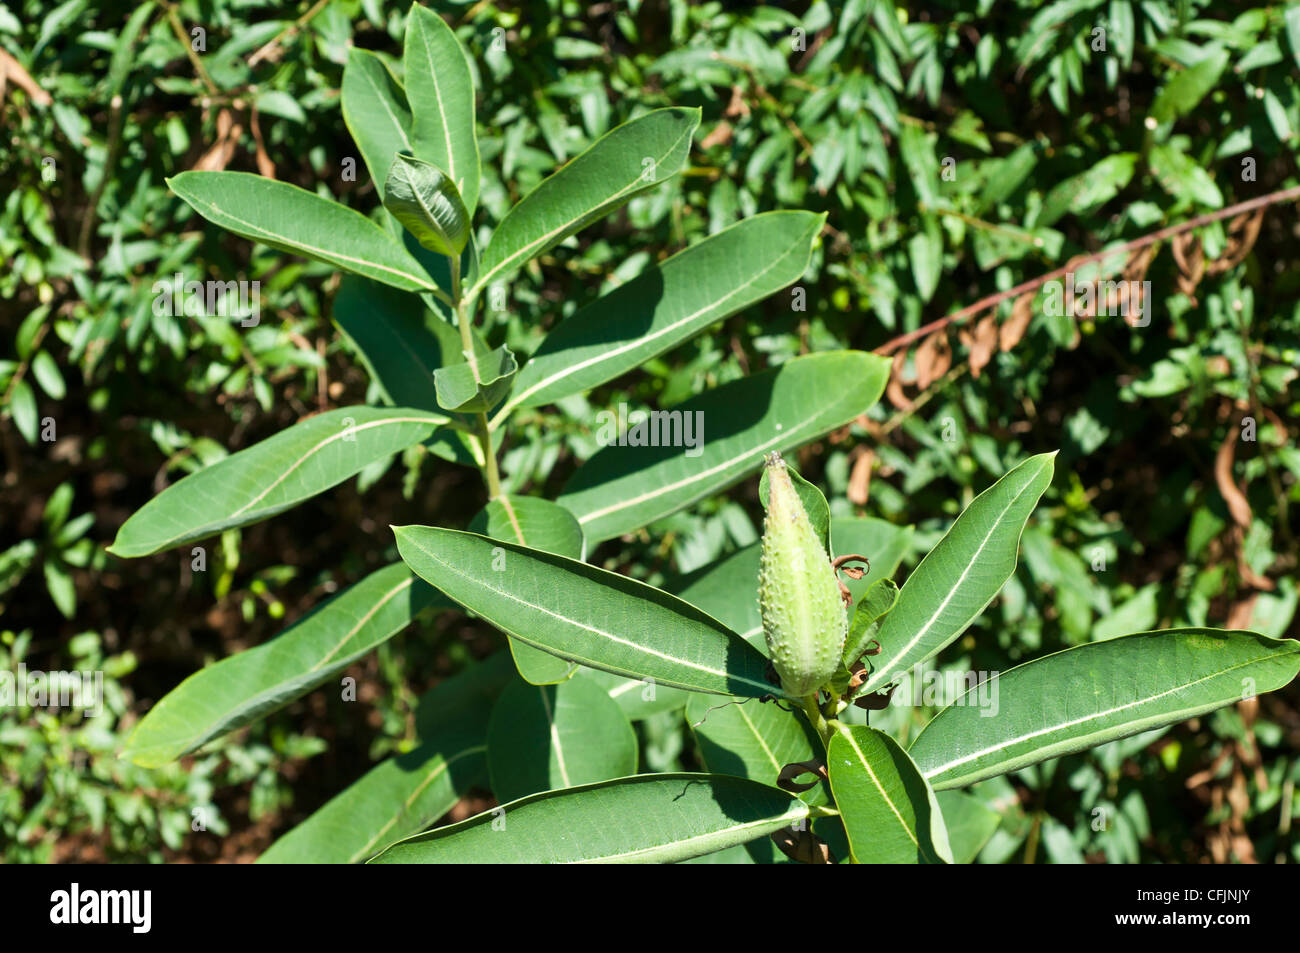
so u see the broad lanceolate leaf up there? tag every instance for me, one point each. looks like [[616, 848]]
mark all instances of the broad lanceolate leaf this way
[[295, 220], [272, 476], [376, 113], [626, 161], [730, 428], [538, 524], [959, 577], [1091, 694], [424, 199], [250, 685], [669, 303], [407, 793], [651, 818], [753, 740], [585, 614], [441, 95], [548, 737], [401, 341], [889, 811]]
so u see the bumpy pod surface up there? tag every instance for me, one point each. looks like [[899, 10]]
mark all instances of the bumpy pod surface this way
[[803, 615]]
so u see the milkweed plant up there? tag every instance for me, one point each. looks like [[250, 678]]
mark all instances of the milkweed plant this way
[[776, 657]]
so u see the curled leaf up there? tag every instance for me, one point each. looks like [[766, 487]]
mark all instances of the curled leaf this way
[[425, 200]]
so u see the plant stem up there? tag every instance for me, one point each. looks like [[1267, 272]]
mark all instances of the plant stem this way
[[491, 474], [817, 719]]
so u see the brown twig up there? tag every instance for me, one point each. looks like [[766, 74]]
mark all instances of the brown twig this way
[[992, 301]]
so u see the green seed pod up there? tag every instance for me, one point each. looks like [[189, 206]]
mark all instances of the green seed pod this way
[[798, 595]]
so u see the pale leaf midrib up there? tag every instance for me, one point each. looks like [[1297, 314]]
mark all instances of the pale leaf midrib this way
[[1060, 726], [328, 255], [642, 341], [522, 254], [582, 625], [894, 664], [441, 768]]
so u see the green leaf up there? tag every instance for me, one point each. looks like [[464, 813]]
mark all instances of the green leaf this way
[[585, 614], [478, 382], [400, 340], [889, 811], [246, 687], [622, 488], [957, 580], [753, 740], [538, 524], [969, 822], [638, 698], [1181, 176], [376, 113], [669, 303], [547, 737], [440, 90], [812, 500], [22, 407], [868, 617], [271, 476], [48, 376], [1186, 88], [1293, 30], [621, 164], [291, 219], [1081, 193], [424, 199], [406, 793], [58, 582], [1095, 693], [654, 818]]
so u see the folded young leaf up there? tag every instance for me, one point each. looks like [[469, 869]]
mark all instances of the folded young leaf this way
[[424, 199], [271, 476], [585, 614], [677, 816], [957, 580], [376, 113], [669, 303], [730, 428], [291, 219], [245, 687], [406, 793], [1091, 694], [623, 163], [890, 813], [538, 524], [440, 89], [547, 737], [478, 383]]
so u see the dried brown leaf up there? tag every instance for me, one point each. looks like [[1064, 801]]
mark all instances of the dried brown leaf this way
[[932, 359], [982, 343], [894, 389], [1014, 327], [860, 477]]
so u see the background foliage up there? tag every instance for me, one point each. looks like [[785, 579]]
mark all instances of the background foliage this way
[[1161, 515]]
